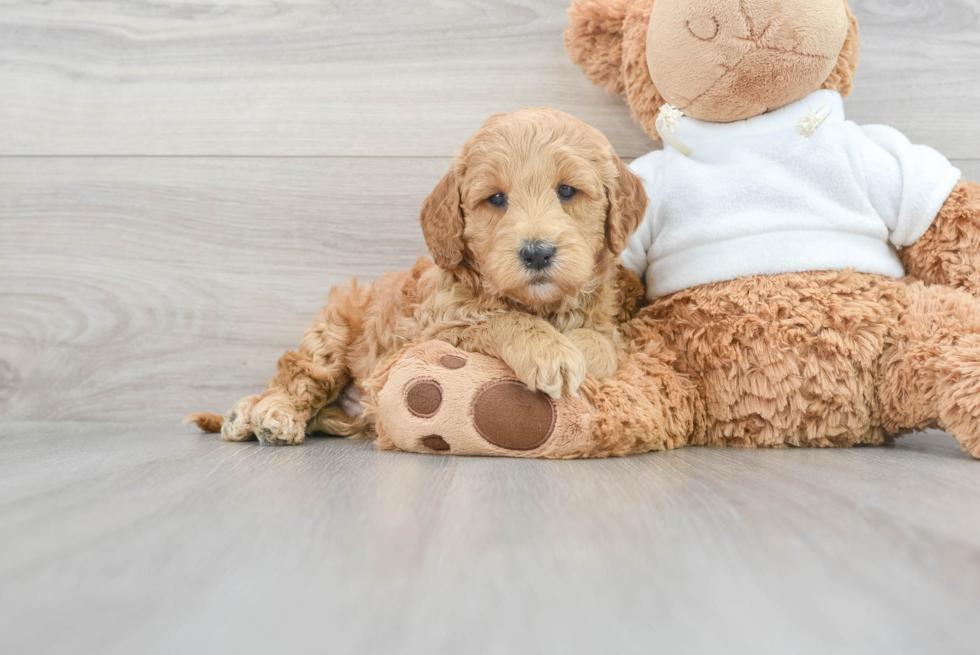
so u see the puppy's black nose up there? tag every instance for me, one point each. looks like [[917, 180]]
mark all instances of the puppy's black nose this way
[[537, 256]]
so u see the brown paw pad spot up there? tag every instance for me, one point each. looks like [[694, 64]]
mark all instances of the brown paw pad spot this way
[[435, 442], [508, 414], [423, 398], [452, 362]]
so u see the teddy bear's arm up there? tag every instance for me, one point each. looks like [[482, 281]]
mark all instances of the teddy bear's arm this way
[[949, 251], [434, 398]]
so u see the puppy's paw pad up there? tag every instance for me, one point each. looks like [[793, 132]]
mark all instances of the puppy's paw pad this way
[[509, 415], [279, 437]]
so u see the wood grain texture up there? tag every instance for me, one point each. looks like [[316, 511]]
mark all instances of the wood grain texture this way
[[155, 286], [389, 77], [374, 77], [134, 538]]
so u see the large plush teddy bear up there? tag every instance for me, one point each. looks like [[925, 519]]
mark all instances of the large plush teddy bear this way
[[775, 251]]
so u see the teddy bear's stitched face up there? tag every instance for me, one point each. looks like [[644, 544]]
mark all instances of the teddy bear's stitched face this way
[[727, 60]]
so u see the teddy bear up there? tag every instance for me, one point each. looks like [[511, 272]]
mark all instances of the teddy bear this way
[[809, 282]]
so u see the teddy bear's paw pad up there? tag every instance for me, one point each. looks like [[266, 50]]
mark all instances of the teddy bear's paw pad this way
[[452, 362], [423, 398], [435, 442], [441, 400], [509, 415]]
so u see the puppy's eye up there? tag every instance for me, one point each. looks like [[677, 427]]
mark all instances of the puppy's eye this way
[[566, 192], [498, 200]]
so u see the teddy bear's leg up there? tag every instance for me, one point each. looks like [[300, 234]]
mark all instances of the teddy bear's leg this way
[[931, 366], [433, 398], [647, 405], [949, 252]]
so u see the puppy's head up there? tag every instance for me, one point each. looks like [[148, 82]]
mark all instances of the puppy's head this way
[[535, 203]]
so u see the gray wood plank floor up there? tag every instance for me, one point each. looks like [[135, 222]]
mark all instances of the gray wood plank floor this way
[[389, 77], [139, 538]]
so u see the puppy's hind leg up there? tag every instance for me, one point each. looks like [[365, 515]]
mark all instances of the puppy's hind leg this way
[[313, 376], [332, 419], [237, 426]]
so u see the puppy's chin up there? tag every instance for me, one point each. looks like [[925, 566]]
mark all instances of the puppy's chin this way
[[538, 292]]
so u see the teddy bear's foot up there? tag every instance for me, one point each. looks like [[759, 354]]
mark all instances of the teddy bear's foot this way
[[437, 399], [932, 365], [959, 402]]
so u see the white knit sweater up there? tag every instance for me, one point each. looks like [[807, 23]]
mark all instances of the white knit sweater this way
[[756, 197]]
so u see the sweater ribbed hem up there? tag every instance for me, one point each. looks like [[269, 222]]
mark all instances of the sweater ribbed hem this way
[[771, 254]]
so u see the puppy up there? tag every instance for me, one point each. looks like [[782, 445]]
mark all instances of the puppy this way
[[525, 230]]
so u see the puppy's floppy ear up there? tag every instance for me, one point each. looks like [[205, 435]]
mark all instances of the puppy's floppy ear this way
[[442, 221], [594, 41], [627, 206]]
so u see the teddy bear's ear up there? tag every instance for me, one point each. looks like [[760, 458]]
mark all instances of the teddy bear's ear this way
[[842, 76], [594, 40], [607, 38]]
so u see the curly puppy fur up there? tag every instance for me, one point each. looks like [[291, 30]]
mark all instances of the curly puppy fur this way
[[552, 321]]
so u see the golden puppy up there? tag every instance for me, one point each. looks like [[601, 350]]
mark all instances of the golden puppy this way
[[525, 229]]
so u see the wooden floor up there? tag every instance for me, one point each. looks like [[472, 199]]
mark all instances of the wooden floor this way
[[142, 538], [181, 183]]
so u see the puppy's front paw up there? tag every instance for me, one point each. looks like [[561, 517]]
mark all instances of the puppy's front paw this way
[[276, 423], [600, 353], [551, 364]]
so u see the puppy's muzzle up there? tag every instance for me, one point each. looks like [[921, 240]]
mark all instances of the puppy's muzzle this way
[[537, 255]]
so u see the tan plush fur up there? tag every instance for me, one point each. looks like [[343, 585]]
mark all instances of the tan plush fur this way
[[726, 60], [823, 359], [948, 252], [831, 359], [550, 326], [609, 39]]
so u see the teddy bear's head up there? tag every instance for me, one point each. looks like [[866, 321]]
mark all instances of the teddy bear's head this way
[[715, 60]]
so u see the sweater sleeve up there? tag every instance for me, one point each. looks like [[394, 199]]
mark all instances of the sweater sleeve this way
[[907, 184], [647, 168]]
